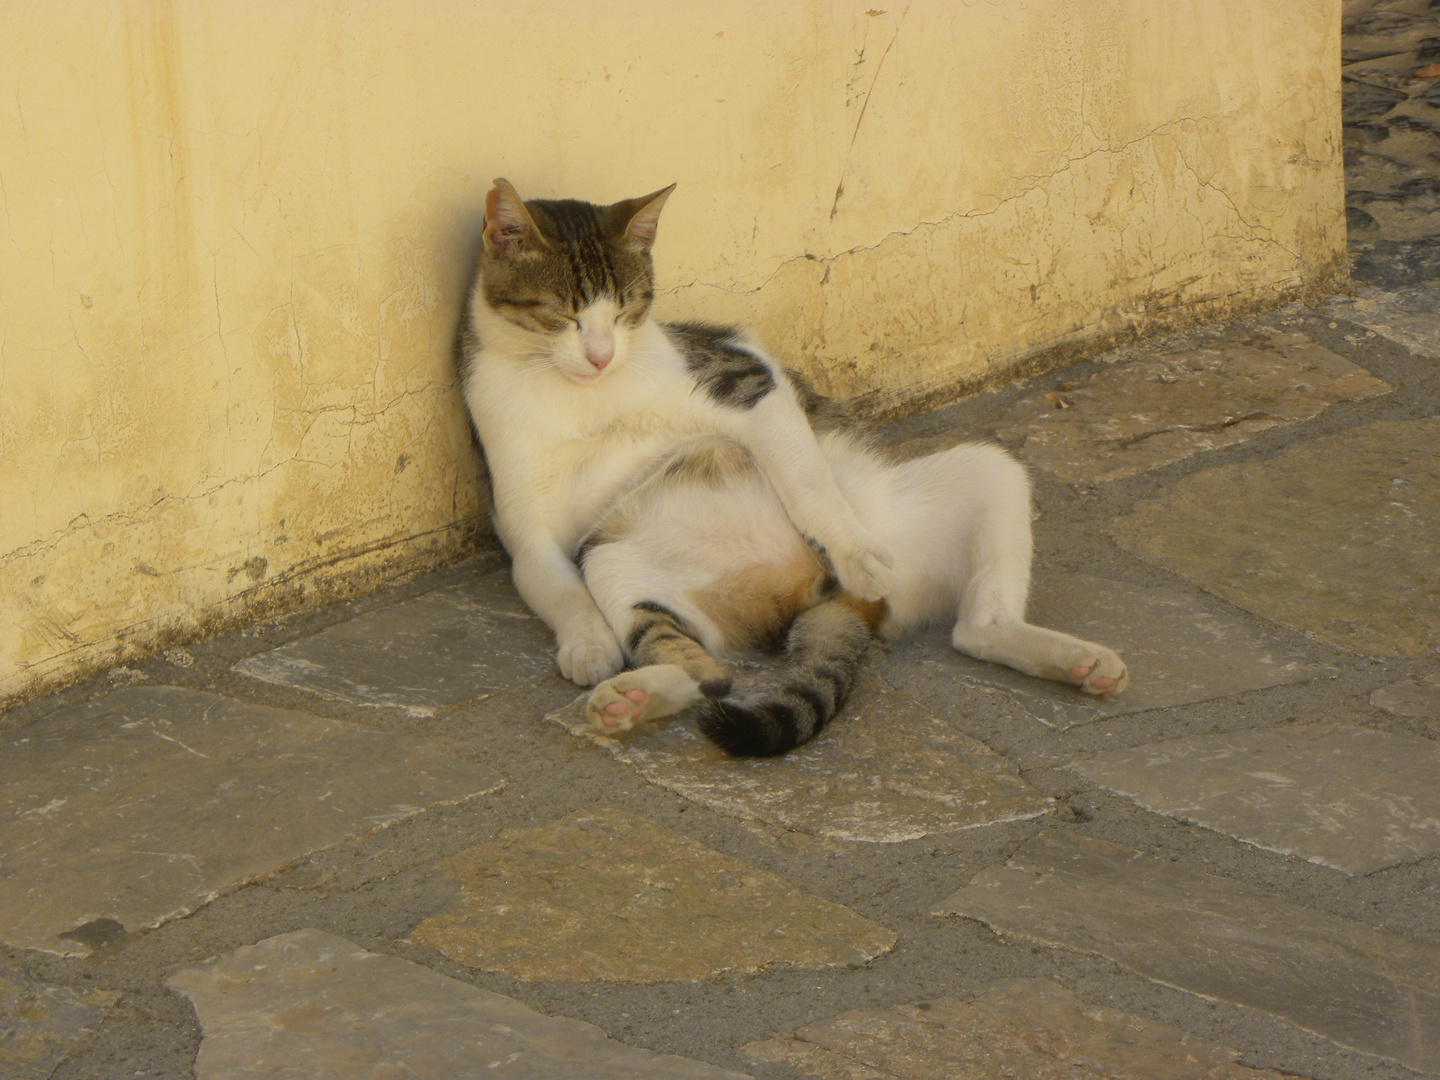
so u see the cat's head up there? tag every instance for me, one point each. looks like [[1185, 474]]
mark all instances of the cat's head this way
[[576, 279]]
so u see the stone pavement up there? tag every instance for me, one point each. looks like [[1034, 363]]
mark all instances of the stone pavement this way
[[375, 840]]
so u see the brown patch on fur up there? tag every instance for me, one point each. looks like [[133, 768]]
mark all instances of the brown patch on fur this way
[[755, 608], [709, 462], [871, 612]]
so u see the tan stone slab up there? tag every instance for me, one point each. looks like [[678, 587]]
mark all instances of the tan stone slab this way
[[884, 771], [459, 643], [1375, 992], [1338, 536], [609, 896], [148, 803], [39, 1023], [1409, 316], [1347, 797], [1178, 651], [1153, 410], [313, 1006], [1025, 1028], [1418, 698]]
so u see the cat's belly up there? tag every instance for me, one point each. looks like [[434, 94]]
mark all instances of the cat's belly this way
[[592, 474]]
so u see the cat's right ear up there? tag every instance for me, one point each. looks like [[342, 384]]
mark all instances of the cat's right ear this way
[[510, 231]]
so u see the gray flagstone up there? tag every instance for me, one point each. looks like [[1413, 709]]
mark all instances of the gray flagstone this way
[[1178, 651], [1419, 698], [885, 770], [40, 1023], [1360, 987], [313, 1006], [1348, 797], [1030, 1029], [455, 644], [1155, 409], [1334, 536], [1409, 315], [149, 802]]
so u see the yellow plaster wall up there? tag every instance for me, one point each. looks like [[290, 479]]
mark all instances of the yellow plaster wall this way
[[234, 239]]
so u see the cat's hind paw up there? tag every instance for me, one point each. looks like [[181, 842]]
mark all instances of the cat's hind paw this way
[[614, 710], [866, 572], [621, 704], [1106, 674]]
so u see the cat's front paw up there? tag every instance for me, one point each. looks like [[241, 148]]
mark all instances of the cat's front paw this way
[[590, 656], [866, 571]]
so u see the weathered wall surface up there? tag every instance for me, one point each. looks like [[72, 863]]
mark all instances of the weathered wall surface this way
[[234, 240]]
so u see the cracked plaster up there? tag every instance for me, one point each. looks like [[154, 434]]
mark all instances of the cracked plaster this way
[[231, 287]]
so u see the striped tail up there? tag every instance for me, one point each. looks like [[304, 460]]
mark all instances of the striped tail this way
[[824, 650]]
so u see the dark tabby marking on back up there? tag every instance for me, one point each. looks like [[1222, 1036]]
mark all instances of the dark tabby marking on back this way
[[730, 373], [824, 650]]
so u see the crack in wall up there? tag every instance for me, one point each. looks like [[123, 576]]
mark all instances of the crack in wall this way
[[1034, 182], [146, 513], [864, 105]]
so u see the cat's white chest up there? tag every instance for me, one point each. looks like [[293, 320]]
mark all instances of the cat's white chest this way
[[560, 454], [591, 470]]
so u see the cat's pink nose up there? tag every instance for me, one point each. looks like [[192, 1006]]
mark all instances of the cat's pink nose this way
[[599, 357]]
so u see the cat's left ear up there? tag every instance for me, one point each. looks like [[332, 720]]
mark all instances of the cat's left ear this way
[[635, 220]]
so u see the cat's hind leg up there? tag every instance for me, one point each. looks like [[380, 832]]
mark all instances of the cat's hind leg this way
[[672, 671], [991, 624], [961, 521], [1000, 638]]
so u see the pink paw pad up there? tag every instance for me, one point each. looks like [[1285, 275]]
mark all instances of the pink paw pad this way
[[1100, 684], [616, 709]]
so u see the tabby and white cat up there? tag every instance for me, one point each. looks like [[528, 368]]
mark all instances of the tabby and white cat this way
[[669, 494]]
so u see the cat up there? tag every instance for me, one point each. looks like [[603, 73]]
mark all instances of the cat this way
[[669, 494]]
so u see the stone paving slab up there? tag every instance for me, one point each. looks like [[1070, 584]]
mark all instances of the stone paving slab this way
[[1392, 128], [458, 643], [1178, 652], [1335, 536], [1343, 796], [1154, 410], [39, 1023], [1418, 698], [1359, 987], [313, 1006], [884, 771], [1030, 1029], [1408, 316], [605, 895], [147, 803]]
